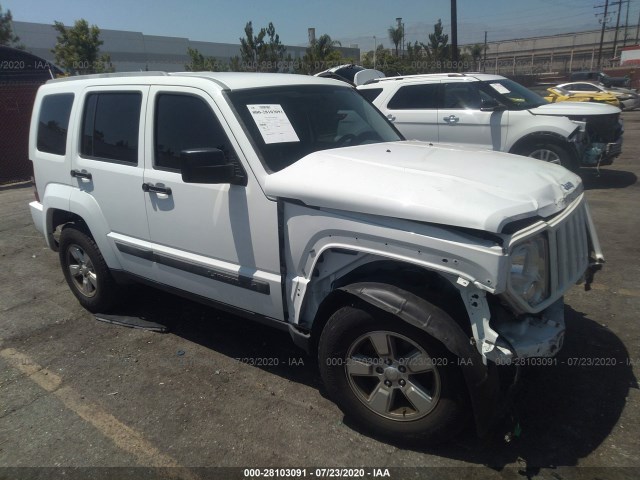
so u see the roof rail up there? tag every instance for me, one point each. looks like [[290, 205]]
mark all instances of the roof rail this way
[[418, 76], [108, 75]]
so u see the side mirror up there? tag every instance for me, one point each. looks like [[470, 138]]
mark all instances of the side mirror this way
[[208, 165], [491, 105]]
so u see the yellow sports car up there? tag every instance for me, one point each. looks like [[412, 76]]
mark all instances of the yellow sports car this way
[[557, 94]]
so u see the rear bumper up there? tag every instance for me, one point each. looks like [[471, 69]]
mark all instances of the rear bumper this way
[[37, 215]]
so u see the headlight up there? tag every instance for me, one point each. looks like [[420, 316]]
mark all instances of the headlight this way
[[529, 278]]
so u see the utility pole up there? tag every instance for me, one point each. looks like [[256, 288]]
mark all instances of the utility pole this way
[[484, 62], [604, 24], [375, 49], [626, 24], [400, 27], [454, 33], [615, 37]]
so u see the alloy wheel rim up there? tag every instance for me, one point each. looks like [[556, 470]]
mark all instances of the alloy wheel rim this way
[[393, 376], [82, 271], [546, 156]]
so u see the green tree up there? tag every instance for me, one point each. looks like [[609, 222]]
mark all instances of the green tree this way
[[387, 62], [439, 51], [395, 35], [263, 52], [78, 49], [200, 63], [7, 36], [320, 55]]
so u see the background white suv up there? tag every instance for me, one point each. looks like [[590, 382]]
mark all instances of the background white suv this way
[[493, 112]]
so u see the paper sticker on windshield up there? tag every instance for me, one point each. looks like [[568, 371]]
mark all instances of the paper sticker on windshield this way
[[500, 88], [273, 123]]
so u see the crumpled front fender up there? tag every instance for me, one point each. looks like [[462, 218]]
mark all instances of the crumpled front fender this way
[[481, 380]]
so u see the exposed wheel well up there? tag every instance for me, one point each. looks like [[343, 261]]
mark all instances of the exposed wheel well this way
[[539, 137], [427, 284], [58, 218], [548, 138]]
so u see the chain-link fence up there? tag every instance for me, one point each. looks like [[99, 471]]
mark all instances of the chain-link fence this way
[[16, 102]]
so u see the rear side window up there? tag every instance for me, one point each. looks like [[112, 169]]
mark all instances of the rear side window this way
[[413, 97], [110, 126], [370, 93], [186, 122], [54, 122]]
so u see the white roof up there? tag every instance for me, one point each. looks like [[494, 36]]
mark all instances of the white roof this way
[[224, 80], [471, 77]]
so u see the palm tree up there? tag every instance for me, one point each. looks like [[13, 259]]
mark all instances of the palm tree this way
[[476, 50], [395, 35], [323, 46], [320, 55]]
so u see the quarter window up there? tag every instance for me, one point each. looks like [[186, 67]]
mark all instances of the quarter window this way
[[412, 97], [370, 93], [111, 125], [185, 122], [54, 122]]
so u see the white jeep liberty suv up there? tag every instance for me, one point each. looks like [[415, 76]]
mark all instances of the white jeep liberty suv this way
[[410, 270]]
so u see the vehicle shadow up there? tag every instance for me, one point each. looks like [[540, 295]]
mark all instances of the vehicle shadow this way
[[565, 411], [224, 333], [607, 179]]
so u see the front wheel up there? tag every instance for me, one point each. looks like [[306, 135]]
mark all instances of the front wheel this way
[[391, 378], [550, 152], [85, 270]]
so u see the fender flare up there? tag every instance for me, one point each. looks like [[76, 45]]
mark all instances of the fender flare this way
[[481, 380]]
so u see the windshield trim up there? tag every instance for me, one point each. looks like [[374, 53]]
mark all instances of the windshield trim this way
[[510, 104]]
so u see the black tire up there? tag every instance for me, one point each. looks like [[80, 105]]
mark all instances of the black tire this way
[[85, 270], [550, 152], [343, 350]]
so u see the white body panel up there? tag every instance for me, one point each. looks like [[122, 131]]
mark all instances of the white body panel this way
[[414, 181], [256, 245]]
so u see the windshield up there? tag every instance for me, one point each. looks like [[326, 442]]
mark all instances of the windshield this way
[[512, 94], [288, 123]]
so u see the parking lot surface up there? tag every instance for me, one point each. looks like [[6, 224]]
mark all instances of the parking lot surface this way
[[219, 391]]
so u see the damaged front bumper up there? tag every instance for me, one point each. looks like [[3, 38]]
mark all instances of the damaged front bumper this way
[[501, 337], [528, 336], [599, 154]]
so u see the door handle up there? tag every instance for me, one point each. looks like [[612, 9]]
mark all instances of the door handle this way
[[391, 118], [81, 174], [150, 187], [451, 119]]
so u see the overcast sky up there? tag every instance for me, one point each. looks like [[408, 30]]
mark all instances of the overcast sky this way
[[349, 21]]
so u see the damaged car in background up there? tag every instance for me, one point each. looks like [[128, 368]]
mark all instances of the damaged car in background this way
[[412, 271], [492, 112]]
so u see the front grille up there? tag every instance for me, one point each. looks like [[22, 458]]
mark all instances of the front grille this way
[[601, 128], [569, 244]]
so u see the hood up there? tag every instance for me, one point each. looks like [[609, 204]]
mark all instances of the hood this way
[[574, 108], [441, 184]]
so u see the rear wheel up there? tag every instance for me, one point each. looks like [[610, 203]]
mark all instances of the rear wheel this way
[[85, 270], [550, 152], [391, 378]]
